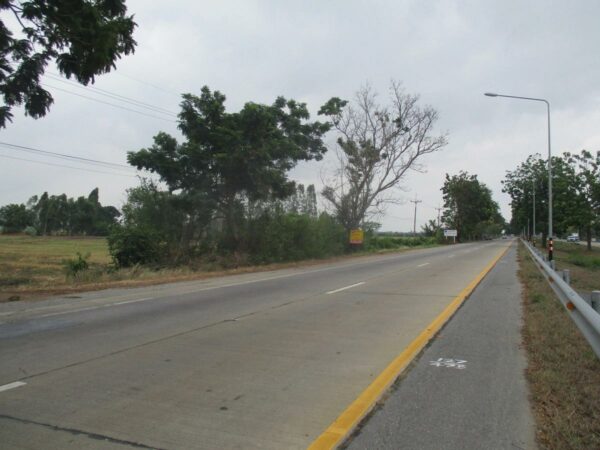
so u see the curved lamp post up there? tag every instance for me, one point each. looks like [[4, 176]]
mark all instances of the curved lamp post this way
[[491, 94]]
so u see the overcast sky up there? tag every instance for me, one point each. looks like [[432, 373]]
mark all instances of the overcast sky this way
[[449, 52]]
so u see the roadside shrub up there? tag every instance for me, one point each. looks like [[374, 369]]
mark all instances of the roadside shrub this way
[[74, 266], [30, 231], [396, 242], [277, 237], [132, 245]]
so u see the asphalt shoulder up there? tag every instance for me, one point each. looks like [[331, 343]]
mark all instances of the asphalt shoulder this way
[[468, 388]]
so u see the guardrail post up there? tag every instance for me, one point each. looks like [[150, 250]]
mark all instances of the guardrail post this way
[[566, 276], [553, 264], [596, 301]]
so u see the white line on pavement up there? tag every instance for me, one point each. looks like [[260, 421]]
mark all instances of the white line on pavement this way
[[91, 308], [133, 301], [423, 265], [8, 386], [346, 287]]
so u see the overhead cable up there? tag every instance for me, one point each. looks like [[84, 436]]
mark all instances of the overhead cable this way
[[108, 103], [112, 95], [68, 167], [65, 156]]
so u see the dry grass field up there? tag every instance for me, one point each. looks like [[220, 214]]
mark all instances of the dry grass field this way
[[563, 371], [27, 261]]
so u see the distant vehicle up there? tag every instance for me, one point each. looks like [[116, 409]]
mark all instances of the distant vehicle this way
[[573, 238]]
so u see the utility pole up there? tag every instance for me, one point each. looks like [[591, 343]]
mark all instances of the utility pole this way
[[439, 209], [415, 201]]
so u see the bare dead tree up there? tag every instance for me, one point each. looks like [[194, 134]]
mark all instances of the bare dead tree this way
[[376, 147]]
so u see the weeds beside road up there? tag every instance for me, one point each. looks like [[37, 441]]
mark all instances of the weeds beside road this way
[[563, 371]]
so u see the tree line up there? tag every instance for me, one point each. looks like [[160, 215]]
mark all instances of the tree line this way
[[223, 192], [575, 190], [59, 215]]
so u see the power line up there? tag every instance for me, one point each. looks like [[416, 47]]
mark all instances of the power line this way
[[148, 84], [64, 156], [112, 95], [108, 103], [68, 167]]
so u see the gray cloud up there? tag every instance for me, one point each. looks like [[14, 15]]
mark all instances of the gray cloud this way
[[449, 52]]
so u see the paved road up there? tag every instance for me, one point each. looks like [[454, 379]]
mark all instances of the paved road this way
[[468, 389], [264, 360]]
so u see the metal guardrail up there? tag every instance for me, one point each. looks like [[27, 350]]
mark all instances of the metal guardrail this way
[[586, 316]]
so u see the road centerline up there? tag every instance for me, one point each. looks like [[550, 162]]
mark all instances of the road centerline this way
[[15, 384], [423, 265], [345, 287]]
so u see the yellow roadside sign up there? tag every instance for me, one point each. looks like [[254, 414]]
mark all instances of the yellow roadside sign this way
[[357, 236]]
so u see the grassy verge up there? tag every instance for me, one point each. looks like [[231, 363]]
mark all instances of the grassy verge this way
[[583, 264], [563, 372], [32, 267]]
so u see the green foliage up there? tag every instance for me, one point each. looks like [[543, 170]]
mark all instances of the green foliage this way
[[396, 242], [589, 261], [180, 219], [430, 228], [84, 38], [469, 208], [132, 245], [575, 191], [57, 214], [277, 236], [75, 266], [230, 158], [15, 218]]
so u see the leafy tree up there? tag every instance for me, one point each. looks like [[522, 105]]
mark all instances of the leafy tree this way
[[229, 158], [469, 207], [377, 145], [532, 175], [84, 38], [430, 228], [15, 218], [584, 209], [58, 214], [175, 217]]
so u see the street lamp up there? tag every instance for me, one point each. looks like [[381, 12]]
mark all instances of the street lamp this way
[[550, 246]]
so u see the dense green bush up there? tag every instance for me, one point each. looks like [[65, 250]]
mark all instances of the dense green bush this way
[[395, 242], [278, 236], [131, 245], [76, 265]]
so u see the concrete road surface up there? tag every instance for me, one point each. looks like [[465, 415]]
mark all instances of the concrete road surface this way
[[264, 360], [468, 389]]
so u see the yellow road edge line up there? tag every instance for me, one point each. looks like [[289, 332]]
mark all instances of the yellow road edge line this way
[[346, 422]]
